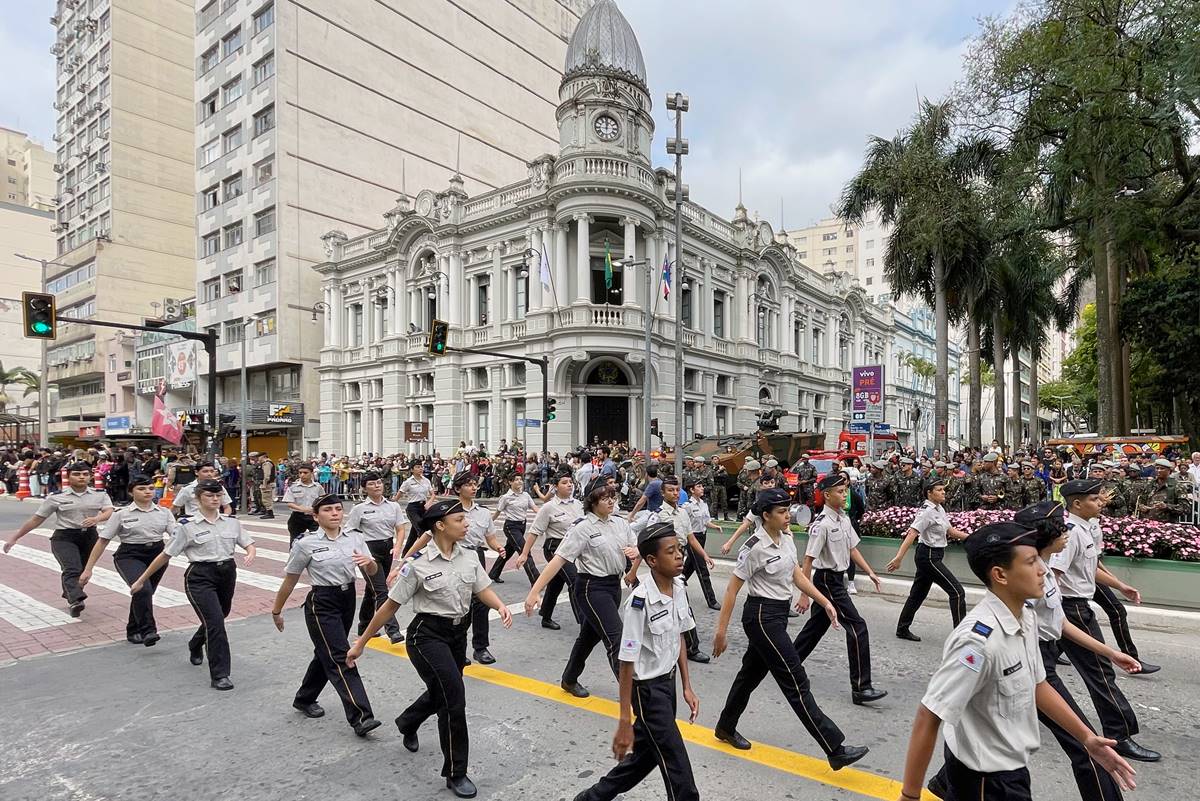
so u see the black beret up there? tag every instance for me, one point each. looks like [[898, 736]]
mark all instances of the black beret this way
[[934, 481], [439, 510], [771, 498], [833, 480], [209, 485], [1081, 486], [79, 467], [998, 538], [463, 478], [326, 500], [371, 476], [599, 482], [647, 541], [1032, 515], [139, 480]]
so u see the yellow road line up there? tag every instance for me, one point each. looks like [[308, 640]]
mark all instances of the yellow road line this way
[[816, 769]]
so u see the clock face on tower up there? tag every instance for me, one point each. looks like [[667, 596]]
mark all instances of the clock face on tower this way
[[606, 127]]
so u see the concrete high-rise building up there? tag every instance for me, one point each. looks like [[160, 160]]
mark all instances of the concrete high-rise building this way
[[126, 171], [828, 245], [317, 116], [26, 171]]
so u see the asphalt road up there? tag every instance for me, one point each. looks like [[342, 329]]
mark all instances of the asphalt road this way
[[121, 722]]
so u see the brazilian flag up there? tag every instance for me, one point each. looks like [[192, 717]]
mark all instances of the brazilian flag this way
[[607, 266]]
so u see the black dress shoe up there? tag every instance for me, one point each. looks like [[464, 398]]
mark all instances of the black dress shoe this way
[[312, 710], [461, 786], [222, 684], [196, 657], [866, 696], [576, 689], [548, 623], [397, 638], [136, 639], [270, 516], [1131, 750], [845, 755], [699, 656], [497, 580], [408, 738], [1148, 668], [365, 726], [484, 657], [150, 639], [77, 609], [905, 634], [714, 605], [733, 738]]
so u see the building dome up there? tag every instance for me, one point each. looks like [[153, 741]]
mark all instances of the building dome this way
[[604, 44]]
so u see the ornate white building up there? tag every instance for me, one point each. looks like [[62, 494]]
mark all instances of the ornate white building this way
[[760, 328]]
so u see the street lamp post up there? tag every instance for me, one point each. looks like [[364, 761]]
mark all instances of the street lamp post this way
[[649, 319], [43, 384], [244, 414], [678, 147]]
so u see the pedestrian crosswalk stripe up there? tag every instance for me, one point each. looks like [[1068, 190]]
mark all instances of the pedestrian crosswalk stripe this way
[[260, 580], [262, 535], [30, 614], [101, 577]]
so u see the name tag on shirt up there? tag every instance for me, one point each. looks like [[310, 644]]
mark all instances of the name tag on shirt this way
[[663, 613], [432, 576], [1008, 671], [773, 559]]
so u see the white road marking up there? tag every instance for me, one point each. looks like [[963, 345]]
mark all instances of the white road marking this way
[[101, 576], [30, 614], [516, 609], [260, 580]]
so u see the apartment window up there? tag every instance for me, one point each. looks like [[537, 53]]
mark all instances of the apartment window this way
[[263, 18], [828, 251], [209, 59], [265, 325], [264, 120], [817, 336], [231, 140], [522, 297], [232, 234], [232, 331], [849, 232], [264, 273], [849, 248], [210, 244], [231, 187], [209, 152], [828, 237], [210, 290], [803, 254], [104, 23], [231, 43], [231, 91], [870, 280], [264, 171], [264, 221], [264, 68], [208, 107], [208, 198], [719, 315], [722, 424], [886, 297], [206, 15], [233, 282], [687, 306], [285, 384], [356, 324], [870, 243]]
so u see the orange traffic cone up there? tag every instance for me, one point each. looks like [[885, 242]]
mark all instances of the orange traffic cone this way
[[22, 483], [168, 498]]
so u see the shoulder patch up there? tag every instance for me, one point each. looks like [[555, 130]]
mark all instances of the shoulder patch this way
[[577, 520], [406, 568], [971, 659], [982, 628], [416, 555], [637, 602], [750, 543]]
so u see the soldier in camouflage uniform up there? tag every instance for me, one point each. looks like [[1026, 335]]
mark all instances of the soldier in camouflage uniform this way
[[992, 486], [720, 491], [909, 490], [958, 490], [806, 478], [1163, 501], [1032, 488], [690, 472], [704, 475], [880, 491], [749, 475], [1115, 491]]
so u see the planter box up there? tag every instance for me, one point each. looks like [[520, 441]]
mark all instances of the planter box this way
[[1162, 582]]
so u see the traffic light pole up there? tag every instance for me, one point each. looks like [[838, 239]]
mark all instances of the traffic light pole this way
[[209, 338], [540, 361]]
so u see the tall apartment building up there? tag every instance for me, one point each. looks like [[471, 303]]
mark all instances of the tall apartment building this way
[[828, 245], [313, 117], [26, 171], [125, 220]]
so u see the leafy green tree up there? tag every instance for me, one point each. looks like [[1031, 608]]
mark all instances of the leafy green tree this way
[[19, 376]]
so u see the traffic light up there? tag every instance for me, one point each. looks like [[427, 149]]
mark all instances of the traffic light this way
[[654, 425], [38, 312], [551, 413], [439, 332]]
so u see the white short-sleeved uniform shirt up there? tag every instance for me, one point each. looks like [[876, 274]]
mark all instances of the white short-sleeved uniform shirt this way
[[515, 506], [597, 547], [204, 540], [440, 585], [932, 525], [133, 525], [984, 689], [72, 508], [479, 525], [698, 514], [556, 517], [376, 521], [1048, 608], [1077, 562], [329, 561], [830, 540], [415, 490], [678, 517], [766, 566], [187, 500], [651, 623]]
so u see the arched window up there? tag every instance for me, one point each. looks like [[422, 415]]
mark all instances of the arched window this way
[[608, 374], [764, 396]]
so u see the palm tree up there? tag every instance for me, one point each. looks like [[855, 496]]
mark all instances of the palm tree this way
[[20, 376], [925, 184]]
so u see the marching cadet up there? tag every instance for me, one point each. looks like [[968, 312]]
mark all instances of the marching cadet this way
[[832, 545], [1033, 489], [479, 538], [677, 515], [599, 545], [767, 564], [881, 492], [701, 522], [1047, 517], [415, 493], [654, 618], [79, 509], [443, 579], [749, 522], [185, 505], [141, 527], [332, 555], [553, 520], [381, 523], [208, 543], [1077, 570], [906, 486], [515, 506], [991, 486], [932, 528], [992, 683], [300, 497]]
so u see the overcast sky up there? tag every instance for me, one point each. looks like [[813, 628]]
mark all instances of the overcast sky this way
[[788, 90]]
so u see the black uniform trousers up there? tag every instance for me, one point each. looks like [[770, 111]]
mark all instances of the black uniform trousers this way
[[964, 784], [1118, 620], [416, 516], [436, 647], [376, 590], [298, 525], [71, 548], [932, 570], [770, 651], [1117, 718], [131, 560], [692, 564], [563, 578], [209, 589], [514, 544], [1093, 781], [656, 743], [832, 584], [599, 600], [479, 613], [329, 613]]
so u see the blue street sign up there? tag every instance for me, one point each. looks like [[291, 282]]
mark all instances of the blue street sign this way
[[520, 422], [860, 428], [531, 422], [883, 428]]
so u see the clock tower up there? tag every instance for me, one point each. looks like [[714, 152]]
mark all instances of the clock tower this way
[[604, 103]]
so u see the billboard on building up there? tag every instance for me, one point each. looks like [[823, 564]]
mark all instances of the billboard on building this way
[[181, 364], [866, 393]]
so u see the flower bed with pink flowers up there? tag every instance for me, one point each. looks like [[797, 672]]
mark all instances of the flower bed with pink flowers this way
[[1123, 536]]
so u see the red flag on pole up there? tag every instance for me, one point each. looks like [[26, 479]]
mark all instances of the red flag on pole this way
[[164, 423]]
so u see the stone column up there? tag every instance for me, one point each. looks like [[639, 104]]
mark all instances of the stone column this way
[[327, 319], [583, 267], [561, 286], [498, 419], [500, 300], [337, 306], [457, 281], [535, 270], [630, 275], [706, 308]]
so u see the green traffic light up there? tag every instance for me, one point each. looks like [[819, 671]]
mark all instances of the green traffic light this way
[[41, 327]]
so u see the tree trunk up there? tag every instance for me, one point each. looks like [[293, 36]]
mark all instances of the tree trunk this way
[[998, 368], [941, 390], [975, 433], [1035, 425], [1105, 419], [1120, 414], [1018, 433]]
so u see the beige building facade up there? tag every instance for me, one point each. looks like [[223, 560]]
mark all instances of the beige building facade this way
[[26, 171]]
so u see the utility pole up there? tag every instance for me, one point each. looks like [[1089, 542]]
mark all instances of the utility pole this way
[[678, 147]]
